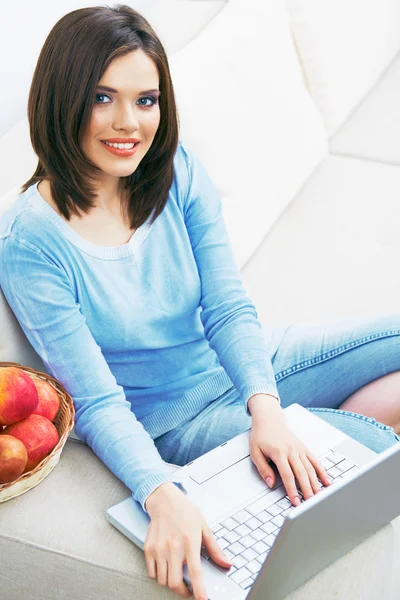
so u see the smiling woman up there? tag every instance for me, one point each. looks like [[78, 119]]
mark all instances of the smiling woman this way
[[127, 99], [138, 307], [127, 108]]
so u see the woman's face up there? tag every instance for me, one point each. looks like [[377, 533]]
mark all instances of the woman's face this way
[[127, 113]]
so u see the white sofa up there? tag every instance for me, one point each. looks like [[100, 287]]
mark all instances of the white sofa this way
[[293, 109]]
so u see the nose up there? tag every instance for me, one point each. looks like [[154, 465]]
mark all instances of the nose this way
[[126, 118]]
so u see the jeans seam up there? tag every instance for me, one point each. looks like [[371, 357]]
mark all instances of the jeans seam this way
[[353, 415], [339, 350]]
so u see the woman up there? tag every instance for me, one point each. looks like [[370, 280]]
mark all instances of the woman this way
[[116, 262]]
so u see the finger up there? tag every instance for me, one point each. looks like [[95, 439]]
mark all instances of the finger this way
[[321, 472], [162, 570], [213, 548], [312, 476], [263, 467], [151, 565], [196, 573], [301, 475], [288, 479], [175, 574], [150, 562]]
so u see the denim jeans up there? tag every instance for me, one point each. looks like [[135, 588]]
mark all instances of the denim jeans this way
[[316, 365]]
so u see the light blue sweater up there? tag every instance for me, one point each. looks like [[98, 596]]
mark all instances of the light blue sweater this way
[[142, 335]]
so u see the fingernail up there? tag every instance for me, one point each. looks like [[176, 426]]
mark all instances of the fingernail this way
[[296, 501], [225, 558], [269, 482]]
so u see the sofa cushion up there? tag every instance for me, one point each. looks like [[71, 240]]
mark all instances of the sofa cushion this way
[[344, 48], [373, 132], [335, 251], [245, 111], [166, 18]]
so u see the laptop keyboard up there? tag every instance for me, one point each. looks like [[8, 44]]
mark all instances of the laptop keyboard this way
[[247, 535]]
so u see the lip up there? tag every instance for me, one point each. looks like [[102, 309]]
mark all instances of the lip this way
[[122, 140], [121, 151]]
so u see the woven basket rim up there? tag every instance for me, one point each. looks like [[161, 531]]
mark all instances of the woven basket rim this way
[[41, 470]]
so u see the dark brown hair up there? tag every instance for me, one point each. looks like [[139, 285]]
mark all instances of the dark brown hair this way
[[76, 53]]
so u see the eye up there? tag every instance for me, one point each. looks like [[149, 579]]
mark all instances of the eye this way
[[148, 101], [102, 96]]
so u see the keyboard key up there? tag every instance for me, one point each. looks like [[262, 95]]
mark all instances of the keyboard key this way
[[231, 536], [262, 557], [278, 521], [269, 540], [222, 543], [284, 503], [345, 465], [264, 516], [240, 575], [258, 534], [259, 504], [334, 457], [268, 527], [334, 472], [229, 555], [247, 541], [254, 566], [253, 523], [225, 571], [274, 510], [287, 511], [265, 501], [221, 532], [242, 530], [216, 528], [326, 463], [349, 473], [229, 523], [239, 561], [249, 554], [247, 583], [260, 547], [235, 548], [242, 516]]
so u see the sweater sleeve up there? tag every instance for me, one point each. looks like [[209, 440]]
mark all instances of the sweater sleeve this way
[[229, 318], [41, 296]]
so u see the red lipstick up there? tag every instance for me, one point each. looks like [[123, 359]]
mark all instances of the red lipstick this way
[[121, 151]]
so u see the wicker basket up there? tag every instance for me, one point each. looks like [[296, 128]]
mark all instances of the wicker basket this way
[[63, 422]]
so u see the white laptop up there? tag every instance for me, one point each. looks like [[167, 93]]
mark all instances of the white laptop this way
[[274, 547]]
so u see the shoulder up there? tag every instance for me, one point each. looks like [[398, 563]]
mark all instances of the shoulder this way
[[190, 175], [22, 225], [183, 163]]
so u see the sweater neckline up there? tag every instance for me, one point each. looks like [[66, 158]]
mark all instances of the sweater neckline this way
[[105, 252]]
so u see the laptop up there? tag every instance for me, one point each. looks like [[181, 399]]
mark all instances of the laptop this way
[[275, 547]]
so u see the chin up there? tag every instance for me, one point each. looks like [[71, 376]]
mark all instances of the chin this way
[[119, 171]]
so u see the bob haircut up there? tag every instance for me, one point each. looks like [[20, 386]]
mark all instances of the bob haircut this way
[[76, 53]]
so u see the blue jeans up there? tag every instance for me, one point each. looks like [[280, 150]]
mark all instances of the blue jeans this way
[[316, 365]]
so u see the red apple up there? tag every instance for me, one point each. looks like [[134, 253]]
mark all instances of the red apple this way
[[39, 436], [18, 395], [13, 458], [49, 400]]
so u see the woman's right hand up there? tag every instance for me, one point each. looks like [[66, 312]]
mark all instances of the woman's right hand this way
[[175, 536]]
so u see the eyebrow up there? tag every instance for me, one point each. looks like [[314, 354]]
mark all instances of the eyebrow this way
[[114, 91]]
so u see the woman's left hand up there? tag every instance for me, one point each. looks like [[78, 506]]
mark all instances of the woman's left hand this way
[[271, 439]]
